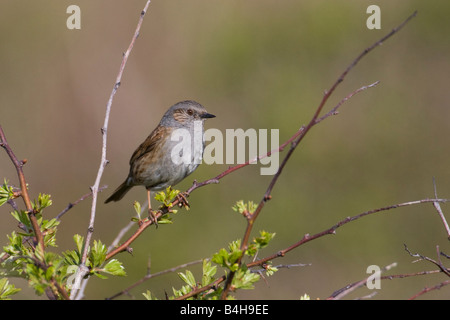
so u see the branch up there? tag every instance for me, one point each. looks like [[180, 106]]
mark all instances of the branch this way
[[428, 289], [306, 238], [332, 230], [436, 263], [71, 205], [82, 271], [302, 133], [149, 276], [338, 294], [23, 187], [440, 213], [442, 268], [388, 277]]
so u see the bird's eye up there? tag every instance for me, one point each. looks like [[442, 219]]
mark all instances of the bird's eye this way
[[190, 112]]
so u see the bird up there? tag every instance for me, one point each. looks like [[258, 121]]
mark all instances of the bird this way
[[170, 153]]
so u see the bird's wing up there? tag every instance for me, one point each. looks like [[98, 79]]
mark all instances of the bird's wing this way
[[152, 141]]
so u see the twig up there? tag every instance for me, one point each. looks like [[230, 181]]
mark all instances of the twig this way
[[338, 294], [438, 264], [83, 270], [313, 121], [440, 213], [23, 187], [71, 205], [283, 266], [125, 229], [149, 276], [428, 289], [332, 230], [334, 110]]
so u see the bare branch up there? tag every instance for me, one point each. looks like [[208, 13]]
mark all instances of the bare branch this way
[[149, 276], [422, 257], [440, 213], [103, 162], [428, 289], [72, 204], [338, 294]]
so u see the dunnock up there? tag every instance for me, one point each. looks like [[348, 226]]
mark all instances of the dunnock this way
[[154, 164]]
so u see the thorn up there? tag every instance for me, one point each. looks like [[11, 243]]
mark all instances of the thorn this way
[[153, 218]]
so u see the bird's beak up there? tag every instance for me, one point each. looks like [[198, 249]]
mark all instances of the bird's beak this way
[[207, 115]]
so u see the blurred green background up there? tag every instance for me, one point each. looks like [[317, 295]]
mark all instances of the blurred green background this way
[[254, 64]]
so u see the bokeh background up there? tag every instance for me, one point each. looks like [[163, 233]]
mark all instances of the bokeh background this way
[[254, 64]]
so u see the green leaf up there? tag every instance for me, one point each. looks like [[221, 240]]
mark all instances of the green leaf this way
[[15, 246], [229, 259], [99, 275], [72, 257], [149, 296], [6, 192], [259, 242], [245, 208], [137, 208], [115, 268], [160, 196], [270, 270], [184, 290], [44, 201], [47, 224], [208, 272], [244, 279], [220, 257], [166, 197], [98, 253], [22, 217], [305, 297], [6, 289], [78, 242], [188, 278], [165, 220]]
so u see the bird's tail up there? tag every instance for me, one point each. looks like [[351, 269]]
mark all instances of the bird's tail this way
[[120, 192]]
